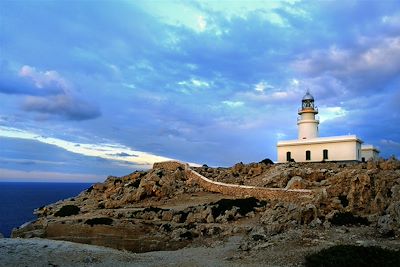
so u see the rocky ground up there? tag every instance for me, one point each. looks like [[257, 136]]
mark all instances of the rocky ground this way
[[158, 210]]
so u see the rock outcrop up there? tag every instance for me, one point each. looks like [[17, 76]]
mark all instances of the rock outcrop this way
[[171, 205]]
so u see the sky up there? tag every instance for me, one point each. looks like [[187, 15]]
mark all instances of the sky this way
[[96, 88]]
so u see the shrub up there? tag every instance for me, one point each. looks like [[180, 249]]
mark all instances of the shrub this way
[[90, 189], [354, 256], [344, 201], [136, 183], [117, 181], [154, 209], [96, 221], [67, 210], [347, 218], [244, 205], [267, 161], [166, 227]]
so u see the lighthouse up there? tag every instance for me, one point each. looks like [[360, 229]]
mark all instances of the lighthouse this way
[[307, 122], [309, 147]]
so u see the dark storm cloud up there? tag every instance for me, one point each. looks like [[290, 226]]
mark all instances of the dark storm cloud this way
[[63, 105]]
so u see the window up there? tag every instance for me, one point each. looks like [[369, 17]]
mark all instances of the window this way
[[288, 156], [325, 152], [308, 155]]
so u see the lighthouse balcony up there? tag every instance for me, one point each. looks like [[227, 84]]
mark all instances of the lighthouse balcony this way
[[308, 109]]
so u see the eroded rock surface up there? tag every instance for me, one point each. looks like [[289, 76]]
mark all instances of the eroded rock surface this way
[[162, 210]]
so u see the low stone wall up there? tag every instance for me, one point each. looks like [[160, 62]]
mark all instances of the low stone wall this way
[[289, 195]]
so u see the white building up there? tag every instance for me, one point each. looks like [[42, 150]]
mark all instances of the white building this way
[[309, 147]]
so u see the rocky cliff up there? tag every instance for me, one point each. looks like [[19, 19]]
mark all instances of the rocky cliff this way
[[164, 209]]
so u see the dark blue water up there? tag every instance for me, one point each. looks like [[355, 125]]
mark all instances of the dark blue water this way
[[18, 200]]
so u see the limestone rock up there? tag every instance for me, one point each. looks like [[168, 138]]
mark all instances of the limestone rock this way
[[386, 224], [296, 182]]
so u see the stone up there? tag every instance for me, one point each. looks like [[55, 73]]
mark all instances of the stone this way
[[296, 182], [210, 218], [385, 224], [308, 214], [167, 215], [258, 233]]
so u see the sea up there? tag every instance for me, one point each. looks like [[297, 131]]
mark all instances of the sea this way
[[19, 199]]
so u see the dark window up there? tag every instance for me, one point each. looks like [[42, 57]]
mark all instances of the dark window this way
[[288, 156], [363, 159], [325, 153], [308, 155]]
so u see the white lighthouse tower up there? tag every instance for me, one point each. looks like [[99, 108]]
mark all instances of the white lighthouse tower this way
[[307, 122], [309, 147]]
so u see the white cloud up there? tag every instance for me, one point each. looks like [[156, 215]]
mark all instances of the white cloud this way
[[261, 86], [201, 23], [270, 97], [281, 136], [129, 85], [43, 79], [295, 82], [376, 56], [109, 151], [389, 142], [329, 113], [194, 83], [393, 20], [233, 104], [199, 83]]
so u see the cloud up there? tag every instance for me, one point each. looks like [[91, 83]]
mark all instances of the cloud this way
[[9, 175], [369, 64], [166, 88], [123, 154], [194, 83], [233, 104], [66, 106], [50, 94], [329, 113], [390, 143], [201, 23], [16, 83], [261, 86], [43, 79], [108, 151]]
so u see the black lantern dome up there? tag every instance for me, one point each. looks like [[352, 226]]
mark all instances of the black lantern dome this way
[[308, 101], [308, 96]]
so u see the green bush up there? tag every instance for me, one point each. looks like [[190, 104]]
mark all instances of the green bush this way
[[353, 256], [67, 210], [96, 221], [347, 218], [244, 205]]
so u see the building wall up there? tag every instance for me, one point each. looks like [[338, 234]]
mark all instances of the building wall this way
[[337, 151], [368, 154]]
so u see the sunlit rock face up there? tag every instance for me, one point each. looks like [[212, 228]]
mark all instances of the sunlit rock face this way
[[173, 205]]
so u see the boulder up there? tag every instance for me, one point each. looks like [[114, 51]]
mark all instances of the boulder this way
[[386, 224], [258, 233], [308, 214], [296, 182]]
